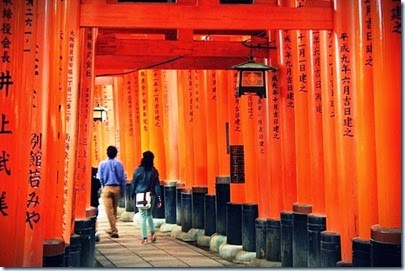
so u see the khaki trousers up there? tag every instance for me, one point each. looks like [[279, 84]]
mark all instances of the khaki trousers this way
[[111, 196]]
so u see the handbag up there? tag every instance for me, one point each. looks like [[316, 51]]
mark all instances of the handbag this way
[[143, 200]]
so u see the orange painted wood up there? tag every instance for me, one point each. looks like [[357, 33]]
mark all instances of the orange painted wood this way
[[97, 151], [211, 104], [135, 124], [273, 117], [386, 21], [200, 128], [315, 124], [155, 119], [329, 129], [235, 134], [223, 122], [171, 123], [367, 175], [221, 17], [301, 69], [181, 89], [346, 126], [144, 108], [287, 103], [248, 114]]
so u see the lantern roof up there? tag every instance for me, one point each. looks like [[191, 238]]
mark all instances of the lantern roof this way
[[253, 65]]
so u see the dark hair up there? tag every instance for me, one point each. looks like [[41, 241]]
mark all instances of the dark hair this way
[[112, 152], [147, 160]]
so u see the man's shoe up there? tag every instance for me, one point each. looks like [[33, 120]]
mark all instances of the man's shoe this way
[[114, 235]]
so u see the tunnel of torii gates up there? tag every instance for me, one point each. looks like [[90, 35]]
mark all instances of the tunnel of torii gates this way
[[326, 141]]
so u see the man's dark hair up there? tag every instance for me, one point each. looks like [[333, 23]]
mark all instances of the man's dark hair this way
[[112, 152]]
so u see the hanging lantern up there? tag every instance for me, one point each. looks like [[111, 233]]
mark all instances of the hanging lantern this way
[[99, 113], [252, 78]]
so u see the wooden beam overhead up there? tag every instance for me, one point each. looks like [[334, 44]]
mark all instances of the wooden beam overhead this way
[[212, 17], [110, 62], [172, 48]]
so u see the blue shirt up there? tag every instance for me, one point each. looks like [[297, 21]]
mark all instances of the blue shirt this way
[[111, 172]]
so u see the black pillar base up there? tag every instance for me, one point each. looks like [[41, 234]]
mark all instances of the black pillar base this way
[[234, 223], [170, 202], [84, 229], [300, 234], [361, 253], [179, 189], [385, 247], [75, 247], [250, 212], [330, 249], [186, 210], [260, 238], [316, 225], [53, 253], [197, 201], [273, 240], [159, 212], [223, 196], [286, 223], [209, 214], [129, 204]]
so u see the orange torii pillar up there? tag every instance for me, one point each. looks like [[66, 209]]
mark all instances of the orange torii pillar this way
[[331, 236], [386, 235], [317, 219], [237, 164], [287, 130], [303, 206], [346, 126], [156, 129], [186, 122], [72, 49], [211, 133], [18, 202], [54, 224], [222, 180], [135, 124], [84, 214], [366, 152], [171, 140]]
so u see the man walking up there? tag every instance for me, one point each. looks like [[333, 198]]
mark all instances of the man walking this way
[[112, 178]]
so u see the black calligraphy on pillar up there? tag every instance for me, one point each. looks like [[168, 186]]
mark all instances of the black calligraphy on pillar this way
[[5, 81], [144, 102], [288, 63], [302, 62], [34, 180], [331, 73], [237, 155], [4, 159], [317, 71], [156, 98], [131, 109], [367, 38], [260, 127], [213, 92], [345, 81], [275, 105], [396, 17], [28, 24], [3, 204], [190, 97]]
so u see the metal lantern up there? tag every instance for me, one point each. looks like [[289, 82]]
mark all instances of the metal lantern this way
[[252, 78], [99, 113]]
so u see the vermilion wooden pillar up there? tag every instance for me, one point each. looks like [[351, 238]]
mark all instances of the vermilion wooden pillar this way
[[88, 153], [200, 128], [223, 124], [237, 147], [387, 30], [346, 125], [181, 124], [366, 151], [171, 123], [121, 106], [135, 125], [155, 119], [287, 104], [329, 131], [212, 132]]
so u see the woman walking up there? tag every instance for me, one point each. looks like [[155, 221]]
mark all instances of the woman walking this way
[[146, 179]]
